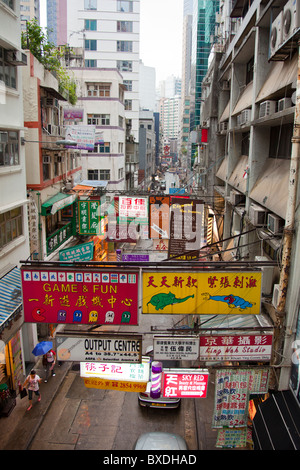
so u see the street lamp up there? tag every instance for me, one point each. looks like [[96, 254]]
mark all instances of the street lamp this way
[[70, 143]]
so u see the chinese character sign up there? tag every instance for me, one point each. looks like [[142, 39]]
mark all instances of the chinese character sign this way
[[89, 217], [181, 385], [133, 207], [202, 293], [231, 398], [79, 297], [115, 371]]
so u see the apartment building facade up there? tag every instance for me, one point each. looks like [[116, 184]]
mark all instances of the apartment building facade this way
[[251, 162]]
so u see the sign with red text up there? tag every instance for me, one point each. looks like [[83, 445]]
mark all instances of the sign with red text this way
[[116, 371], [133, 207], [241, 347], [199, 293], [187, 383], [79, 296]]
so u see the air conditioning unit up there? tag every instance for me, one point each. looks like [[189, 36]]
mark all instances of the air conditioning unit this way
[[245, 116], [267, 276], [52, 102], [223, 126], [276, 34], [275, 224], [257, 215], [266, 108], [46, 159], [236, 197], [275, 297], [291, 19], [284, 103], [15, 57], [238, 120]]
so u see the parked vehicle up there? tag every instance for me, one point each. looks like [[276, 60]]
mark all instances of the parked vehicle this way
[[160, 441]]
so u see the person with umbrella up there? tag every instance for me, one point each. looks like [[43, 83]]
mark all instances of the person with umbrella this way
[[33, 381]]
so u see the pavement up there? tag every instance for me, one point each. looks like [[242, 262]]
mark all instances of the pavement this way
[[19, 428]]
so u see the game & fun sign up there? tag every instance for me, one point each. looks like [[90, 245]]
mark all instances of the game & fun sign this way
[[185, 384], [79, 297], [202, 293]]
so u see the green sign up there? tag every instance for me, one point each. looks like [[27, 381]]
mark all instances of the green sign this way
[[83, 252], [89, 217]]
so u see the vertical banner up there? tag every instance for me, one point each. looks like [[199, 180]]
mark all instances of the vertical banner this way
[[89, 217], [159, 216], [231, 398]]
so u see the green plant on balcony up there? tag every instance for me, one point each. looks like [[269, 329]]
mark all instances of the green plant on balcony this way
[[50, 56]]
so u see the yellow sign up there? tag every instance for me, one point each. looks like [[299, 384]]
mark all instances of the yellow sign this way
[[122, 386], [208, 293]]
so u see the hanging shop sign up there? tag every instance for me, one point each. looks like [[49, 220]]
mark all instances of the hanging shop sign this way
[[84, 252], [140, 258], [89, 217], [159, 217], [186, 228], [133, 207], [232, 391], [105, 348], [84, 136], [175, 347], [79, 296], [117, 385], [116, 371], [236, 347], [188, 383], [202, 293]]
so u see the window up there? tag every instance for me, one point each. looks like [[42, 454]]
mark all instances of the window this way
[[46, 167], [98, 89], [124, 46], [124, 65], [124, 26], [9, 148], [8, 73], [90, 63], [90, 25], [249, 71], [281, 141], [99, 175], [90, 44], [101, 147], [11, 226], [125, 6], [128, 105], [98, 119], [121, 122], [90, 4], [120, 173], [9, 3], [128, 84]]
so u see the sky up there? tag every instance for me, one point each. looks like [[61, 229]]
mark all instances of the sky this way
[[160, 35]]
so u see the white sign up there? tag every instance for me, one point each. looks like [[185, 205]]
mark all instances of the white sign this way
[[116, 371], [175, 347], [84, 136], [105, 348], [133, 207]]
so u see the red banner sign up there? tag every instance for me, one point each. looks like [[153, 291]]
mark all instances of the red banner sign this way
[[79, 296], [189, 384]]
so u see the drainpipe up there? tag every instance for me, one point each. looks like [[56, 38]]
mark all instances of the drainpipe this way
[[289, 223]]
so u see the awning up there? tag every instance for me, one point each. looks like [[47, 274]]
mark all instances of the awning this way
[[95, 183], [82, 190], [271, 189], [234, 322], [56, 203], [10, 296], [282, 74], [276, 424], [245, 100]]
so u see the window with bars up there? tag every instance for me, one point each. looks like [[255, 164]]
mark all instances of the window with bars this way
[[98, 89], [9, 148], [99, 175], [98, 119], [101, 147], [11, 226]]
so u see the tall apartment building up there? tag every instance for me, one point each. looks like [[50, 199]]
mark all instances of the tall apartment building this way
[[108, 31], [29, 9], [17, 338]]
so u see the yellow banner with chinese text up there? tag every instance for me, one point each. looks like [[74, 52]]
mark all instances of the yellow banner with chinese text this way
[[122, 386], [208, 293]]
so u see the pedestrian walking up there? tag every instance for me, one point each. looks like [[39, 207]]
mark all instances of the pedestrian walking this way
[[49, 360], [33, 381]]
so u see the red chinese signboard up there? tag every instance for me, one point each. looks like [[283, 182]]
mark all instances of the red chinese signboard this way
[[188, 384], [243, 347], [53, 295]]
